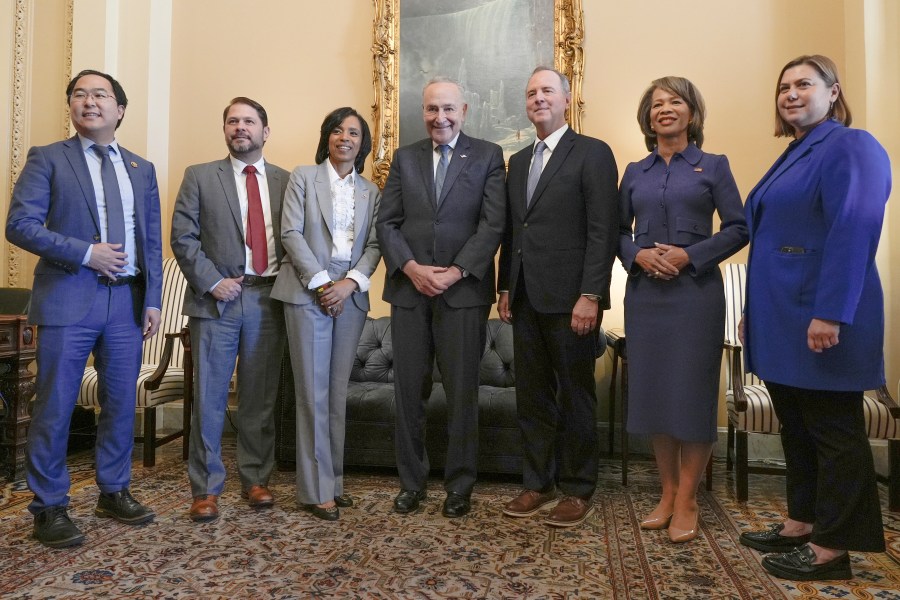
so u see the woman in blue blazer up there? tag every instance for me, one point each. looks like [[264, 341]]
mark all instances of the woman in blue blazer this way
[[813, 326], [328, 232], [674, 299]]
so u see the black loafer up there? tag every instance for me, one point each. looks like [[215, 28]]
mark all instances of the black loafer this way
[[344, 500], [326, 514], [54, 528], [798, 565], [771, 540], [122, 507], [456, 505], [408, 500]]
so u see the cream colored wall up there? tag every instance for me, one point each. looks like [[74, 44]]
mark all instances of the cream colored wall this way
[[181, 61]]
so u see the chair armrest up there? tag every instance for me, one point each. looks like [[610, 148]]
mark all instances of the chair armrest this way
[[156, 379], [884, 396], [736, 365]]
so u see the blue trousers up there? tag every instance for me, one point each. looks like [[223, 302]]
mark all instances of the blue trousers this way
[[111, 332]]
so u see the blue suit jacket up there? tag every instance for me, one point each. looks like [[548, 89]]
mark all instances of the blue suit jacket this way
[[815, 220], [53, 214]]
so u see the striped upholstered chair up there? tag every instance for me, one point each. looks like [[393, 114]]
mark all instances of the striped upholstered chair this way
[[750, 407], [164, 364]]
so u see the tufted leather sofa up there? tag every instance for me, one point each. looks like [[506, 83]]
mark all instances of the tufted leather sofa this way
[[370, 406]]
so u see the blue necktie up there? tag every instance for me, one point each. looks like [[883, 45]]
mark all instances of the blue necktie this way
[[115, 214], [441, 171], [537, 165]]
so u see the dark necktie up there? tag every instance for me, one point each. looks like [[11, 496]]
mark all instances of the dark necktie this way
[[256, 223], [115, 215], [537, 165], [441, 171]]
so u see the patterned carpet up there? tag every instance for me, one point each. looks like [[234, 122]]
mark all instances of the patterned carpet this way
[[373, 553]]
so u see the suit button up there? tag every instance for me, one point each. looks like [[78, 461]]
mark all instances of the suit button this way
[[519, 252], [665, 224], [525, 225], [96, 237]]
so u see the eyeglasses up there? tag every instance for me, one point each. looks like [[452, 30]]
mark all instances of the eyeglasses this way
[[98, 95]]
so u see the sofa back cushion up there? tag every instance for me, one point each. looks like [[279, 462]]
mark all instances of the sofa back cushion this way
[[497, 361]]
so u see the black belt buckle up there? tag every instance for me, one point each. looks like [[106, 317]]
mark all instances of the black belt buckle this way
[[110, 282], [256, 280], [792, 250]]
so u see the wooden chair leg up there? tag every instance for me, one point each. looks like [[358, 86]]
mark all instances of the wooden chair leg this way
[[188, 401], [741, 466], [612, 400], [729, 448], [150, 436], [894, 475]]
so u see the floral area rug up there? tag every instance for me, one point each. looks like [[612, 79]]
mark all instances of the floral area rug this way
[[371, 552]]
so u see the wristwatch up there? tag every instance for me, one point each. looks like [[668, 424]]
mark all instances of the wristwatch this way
[[592, 297], [462, 271]]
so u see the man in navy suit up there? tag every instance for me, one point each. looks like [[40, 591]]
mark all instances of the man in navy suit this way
[[440, 224], [90, 210], [555, 269]]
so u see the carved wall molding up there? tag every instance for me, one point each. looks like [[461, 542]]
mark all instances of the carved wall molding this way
[[568, 59], [21, 27]]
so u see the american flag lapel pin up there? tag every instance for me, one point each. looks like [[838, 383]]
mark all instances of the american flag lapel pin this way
[[134, 164], [698, 169]]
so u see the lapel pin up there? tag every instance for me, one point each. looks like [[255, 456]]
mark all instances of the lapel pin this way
[[462, 156], [698, 169], [134, 164]]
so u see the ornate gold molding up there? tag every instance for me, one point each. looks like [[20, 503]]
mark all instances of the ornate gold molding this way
[[67, 65], [17, 130], [568, 59]]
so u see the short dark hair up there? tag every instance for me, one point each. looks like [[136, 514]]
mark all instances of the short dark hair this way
[[334, 119], [684, 89], [117, 89], [263, 115], [827, 70]]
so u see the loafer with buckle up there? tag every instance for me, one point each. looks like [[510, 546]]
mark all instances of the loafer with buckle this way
[[529, 502], [204, 508], [258, 496], [54, 529], [456, 505], [771, 540], [122, 507], [570, 511], [408, 500], [343, 501], [797, 565], [331, 513]]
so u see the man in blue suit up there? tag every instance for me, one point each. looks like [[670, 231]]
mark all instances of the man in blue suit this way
[[90, 210]]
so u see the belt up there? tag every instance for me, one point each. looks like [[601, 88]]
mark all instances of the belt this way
[[123, 280], [257, 281]]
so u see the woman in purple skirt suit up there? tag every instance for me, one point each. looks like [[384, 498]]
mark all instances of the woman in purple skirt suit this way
[[674, 298]]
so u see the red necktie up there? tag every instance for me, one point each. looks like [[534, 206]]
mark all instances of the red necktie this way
[[256, 223]]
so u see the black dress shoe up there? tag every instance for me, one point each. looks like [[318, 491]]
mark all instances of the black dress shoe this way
[[798, 566], [326, 514], [344, 500], [456, 505], [122, 507], [54, 528], [771, 540], [407, 501]]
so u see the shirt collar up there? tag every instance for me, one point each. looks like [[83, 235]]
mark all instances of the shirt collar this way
[[553, 139], [334, 177], [238, 165], [452, 144], [87, 143], [691, 155]]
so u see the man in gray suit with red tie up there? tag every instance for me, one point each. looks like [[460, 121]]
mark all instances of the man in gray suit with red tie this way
[[555, 270], [226, 237], [441, 221], [89, 209]]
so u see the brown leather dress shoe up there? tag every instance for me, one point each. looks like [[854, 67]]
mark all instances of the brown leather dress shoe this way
[[204, 508], [529, 502], [570, 511], [258, 496]]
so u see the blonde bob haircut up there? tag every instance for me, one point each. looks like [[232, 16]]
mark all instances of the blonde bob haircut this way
[[827, 70], [685, 90]]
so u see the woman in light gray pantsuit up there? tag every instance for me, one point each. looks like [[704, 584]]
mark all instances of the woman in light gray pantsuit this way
[[328, 233]]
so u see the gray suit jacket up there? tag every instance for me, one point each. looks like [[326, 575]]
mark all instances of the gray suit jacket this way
[[463, 227], [306, 233], [208, 232]]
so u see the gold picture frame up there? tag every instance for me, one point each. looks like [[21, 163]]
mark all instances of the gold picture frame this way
[[568, 58]]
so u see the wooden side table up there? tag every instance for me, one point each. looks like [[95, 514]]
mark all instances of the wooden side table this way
[[18, 341], [615, 339]]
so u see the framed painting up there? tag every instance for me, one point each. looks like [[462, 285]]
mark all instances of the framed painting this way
[[489, 46]]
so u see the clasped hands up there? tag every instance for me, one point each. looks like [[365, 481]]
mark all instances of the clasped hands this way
[[586, 314], [663, 261], [431, 280], [331, 297]]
